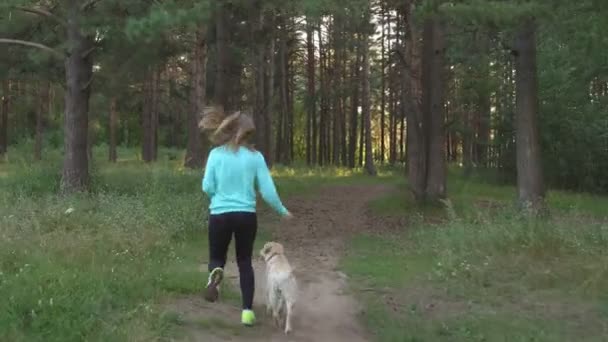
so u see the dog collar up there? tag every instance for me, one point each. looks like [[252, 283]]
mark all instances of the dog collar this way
[[271, 256]]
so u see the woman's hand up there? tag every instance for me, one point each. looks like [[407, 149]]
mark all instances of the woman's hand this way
[[288, 216]]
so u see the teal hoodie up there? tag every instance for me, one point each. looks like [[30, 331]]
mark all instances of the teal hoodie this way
[[230, 179]]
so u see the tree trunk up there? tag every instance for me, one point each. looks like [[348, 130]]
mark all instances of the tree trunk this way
[[197, 147], [113, 155], [530, 185], [415, 81], [156, 94], [281, 131], [323, 95], [310, 97], [5, 107], [148, 117], [222, 61], [436, 169], [41, 115], [383, 86], [79, 73], [262, 35], [355, 84], [370, 168]]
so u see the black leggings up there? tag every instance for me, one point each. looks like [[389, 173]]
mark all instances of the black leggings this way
[[244, 226]]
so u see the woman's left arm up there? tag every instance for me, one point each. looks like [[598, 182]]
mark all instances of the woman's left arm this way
[[209, 177]]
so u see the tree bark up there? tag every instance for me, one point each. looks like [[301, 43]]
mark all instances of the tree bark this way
[[281, 129], [148, 117], [41, 115], [437, 168], [323, 95], [416, 80], [370, 168], [113, 155], [530, 184], [5, 108], [383, 86], [197, 147], [263, 36], [79, 73], [222, 76], [311, 96], [355, 84]]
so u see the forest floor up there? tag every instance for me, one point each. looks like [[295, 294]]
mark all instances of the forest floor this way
[[126, 262], [315, 241]]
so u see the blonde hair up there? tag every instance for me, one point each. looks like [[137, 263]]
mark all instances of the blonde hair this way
[[232, 130]]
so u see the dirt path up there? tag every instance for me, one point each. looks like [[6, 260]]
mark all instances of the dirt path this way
[[314, 241]]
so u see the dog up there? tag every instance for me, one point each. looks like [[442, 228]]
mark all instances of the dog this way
[[281, 287]]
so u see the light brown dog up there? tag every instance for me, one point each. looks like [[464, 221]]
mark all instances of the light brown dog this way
[[281, 287]]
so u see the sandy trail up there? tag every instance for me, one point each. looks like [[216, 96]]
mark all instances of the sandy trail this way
[[314, 242]]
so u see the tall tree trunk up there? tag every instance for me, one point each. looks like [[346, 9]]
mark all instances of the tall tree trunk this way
[[281, 132], [396, 89], [370, 168], [343, 106], [362, 123], [355, 84], [156, 95], [337, 89], [148, 117], [263, 37], [113, 155], [41, 115], [196, 148], [5, 108], [222, 76], [79, 73], [530, 184], [323, 95], [383, 86], [416, 80], [310, 96], [437, 168]]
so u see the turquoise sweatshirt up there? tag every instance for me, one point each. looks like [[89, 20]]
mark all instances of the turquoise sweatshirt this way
[[230, 179]]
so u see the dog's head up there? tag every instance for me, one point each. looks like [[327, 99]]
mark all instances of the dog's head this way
[[271, 249]]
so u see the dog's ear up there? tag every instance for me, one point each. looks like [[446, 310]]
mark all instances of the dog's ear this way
[[266, 250]]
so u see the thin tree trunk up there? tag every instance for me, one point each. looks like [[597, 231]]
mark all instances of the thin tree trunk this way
[[156, 95], [196, 148], [113, 129], [323, 91], [370, 168], [281, 134], [355, 84], [41, 115], [530, 184], [5, 108], [383, 86], [311, 96], [147, 120], [79, 73]]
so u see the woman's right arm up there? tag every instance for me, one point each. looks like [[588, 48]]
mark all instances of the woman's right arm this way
[[267, 188]]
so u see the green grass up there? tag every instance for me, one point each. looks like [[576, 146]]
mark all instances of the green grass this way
[[477, 272], [98, 273], [485, 273]]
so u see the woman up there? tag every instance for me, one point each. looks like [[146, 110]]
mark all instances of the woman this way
[[233, 169]]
